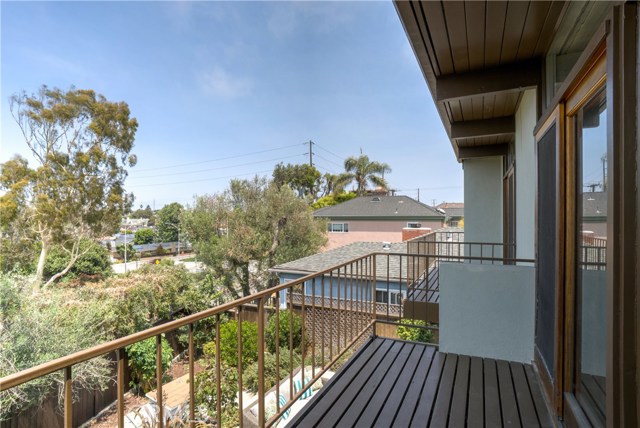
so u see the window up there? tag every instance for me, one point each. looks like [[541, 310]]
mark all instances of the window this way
[[392, 297], [454, 223], [338, 227], [414, 225]]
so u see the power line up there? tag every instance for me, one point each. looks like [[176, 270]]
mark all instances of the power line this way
[[216, 168], [201, 180], [330, 152], [330, 161], [218, 159]]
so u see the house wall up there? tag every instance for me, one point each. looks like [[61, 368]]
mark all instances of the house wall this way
[[525, 171], [373, 231], [487, 311], [483, 200]]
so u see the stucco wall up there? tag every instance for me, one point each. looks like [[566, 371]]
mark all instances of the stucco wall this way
[[373, 231], [487, 311], [525, 176], [483, 200]]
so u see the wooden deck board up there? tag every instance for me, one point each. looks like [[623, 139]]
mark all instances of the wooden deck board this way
[[361, 395], [398, 383], [396, 400], [411, 399], [475, 415], [508, 403], [458, 413]]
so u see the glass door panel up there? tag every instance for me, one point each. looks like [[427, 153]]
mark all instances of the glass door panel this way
[[591, 262]]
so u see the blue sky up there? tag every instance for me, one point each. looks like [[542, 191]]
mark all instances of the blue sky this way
[[229, 89]]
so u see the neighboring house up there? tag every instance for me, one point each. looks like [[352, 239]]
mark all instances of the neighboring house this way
[[390, 291], [378, 218], [134, 223], [594, 208], [453, 211]]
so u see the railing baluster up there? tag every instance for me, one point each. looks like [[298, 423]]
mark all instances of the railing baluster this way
[[291, 344], [388, 285], [351, 300], [302, 345], [218, 380], [278, 351], [339, 313], [324, 315], [331, 313], [159, 397], [120, 386], [315, 326], [261, 363], [240, 365], [192, 394], [68, 398]]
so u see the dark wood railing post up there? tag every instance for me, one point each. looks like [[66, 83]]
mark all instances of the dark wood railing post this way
[[261, 363], [241, 422], [120, 387], [68, 398], [192, 395], [159, 397]]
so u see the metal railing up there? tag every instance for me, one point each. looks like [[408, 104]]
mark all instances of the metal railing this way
[[338, 310], [592, 253], [321, 352]]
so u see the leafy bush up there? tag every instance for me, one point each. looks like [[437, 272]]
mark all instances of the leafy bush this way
[[142, 361], [38, 327], [206, 389], [415, 334], [160, 251], [270, 333], [94, 263], [144, 236], [131, 253], [271, 372], [229, 343]]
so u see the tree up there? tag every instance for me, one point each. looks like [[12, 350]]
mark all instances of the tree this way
[[303, 179], [145, 212], [94, 262], [144, 236], [168, 222], [254, 225], [364, 172], [131, 253], [82, 145], [333, 199]]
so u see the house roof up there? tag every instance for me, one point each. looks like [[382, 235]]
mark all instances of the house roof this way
[[380, 207], [321, 261], [452, 209], [594, 204]]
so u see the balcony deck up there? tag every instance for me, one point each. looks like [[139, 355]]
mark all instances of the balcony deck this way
[[393, 383]]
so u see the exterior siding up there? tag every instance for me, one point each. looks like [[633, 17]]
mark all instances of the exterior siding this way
[[373, 231], [525, 176]]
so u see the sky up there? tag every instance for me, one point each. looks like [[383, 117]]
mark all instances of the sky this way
[[230, 89]]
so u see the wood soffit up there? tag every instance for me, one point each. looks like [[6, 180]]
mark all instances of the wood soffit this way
[[477, 59]]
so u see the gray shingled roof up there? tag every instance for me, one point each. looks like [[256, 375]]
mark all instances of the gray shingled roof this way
[[322, 261], [379, 207], [594, 204], [452, 209]]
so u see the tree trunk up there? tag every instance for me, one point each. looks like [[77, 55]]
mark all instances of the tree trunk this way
[[60, 274], [41, 260]]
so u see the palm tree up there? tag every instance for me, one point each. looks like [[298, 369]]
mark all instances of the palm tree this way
[[364, 172]]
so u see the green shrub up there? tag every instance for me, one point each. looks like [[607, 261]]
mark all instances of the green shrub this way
[[94, 263], [270, 333], [144, 236], [229, 343], [415, 334], [206, 389], [37, 327], [142, 361], [271, 372]]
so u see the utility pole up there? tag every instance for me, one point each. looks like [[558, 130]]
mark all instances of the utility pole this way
[[433, 202], [125, 236], [310, 153], [418, 194]]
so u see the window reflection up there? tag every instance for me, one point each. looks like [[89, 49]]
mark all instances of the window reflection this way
[[591, 260]]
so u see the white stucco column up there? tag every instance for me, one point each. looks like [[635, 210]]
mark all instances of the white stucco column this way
[[483, 200]]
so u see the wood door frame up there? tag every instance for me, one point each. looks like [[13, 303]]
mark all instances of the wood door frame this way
[[554, 387], [589, 85]]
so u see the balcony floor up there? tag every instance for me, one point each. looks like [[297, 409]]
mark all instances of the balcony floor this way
[[393, 383]]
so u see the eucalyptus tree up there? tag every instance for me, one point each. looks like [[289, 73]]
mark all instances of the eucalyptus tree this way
[[81, 144], [364, 172]]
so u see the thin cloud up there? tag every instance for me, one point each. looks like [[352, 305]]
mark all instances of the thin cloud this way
[[287, 19], [220, 83]]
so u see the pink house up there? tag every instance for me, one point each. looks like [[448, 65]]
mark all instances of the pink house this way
[[378, 219]]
